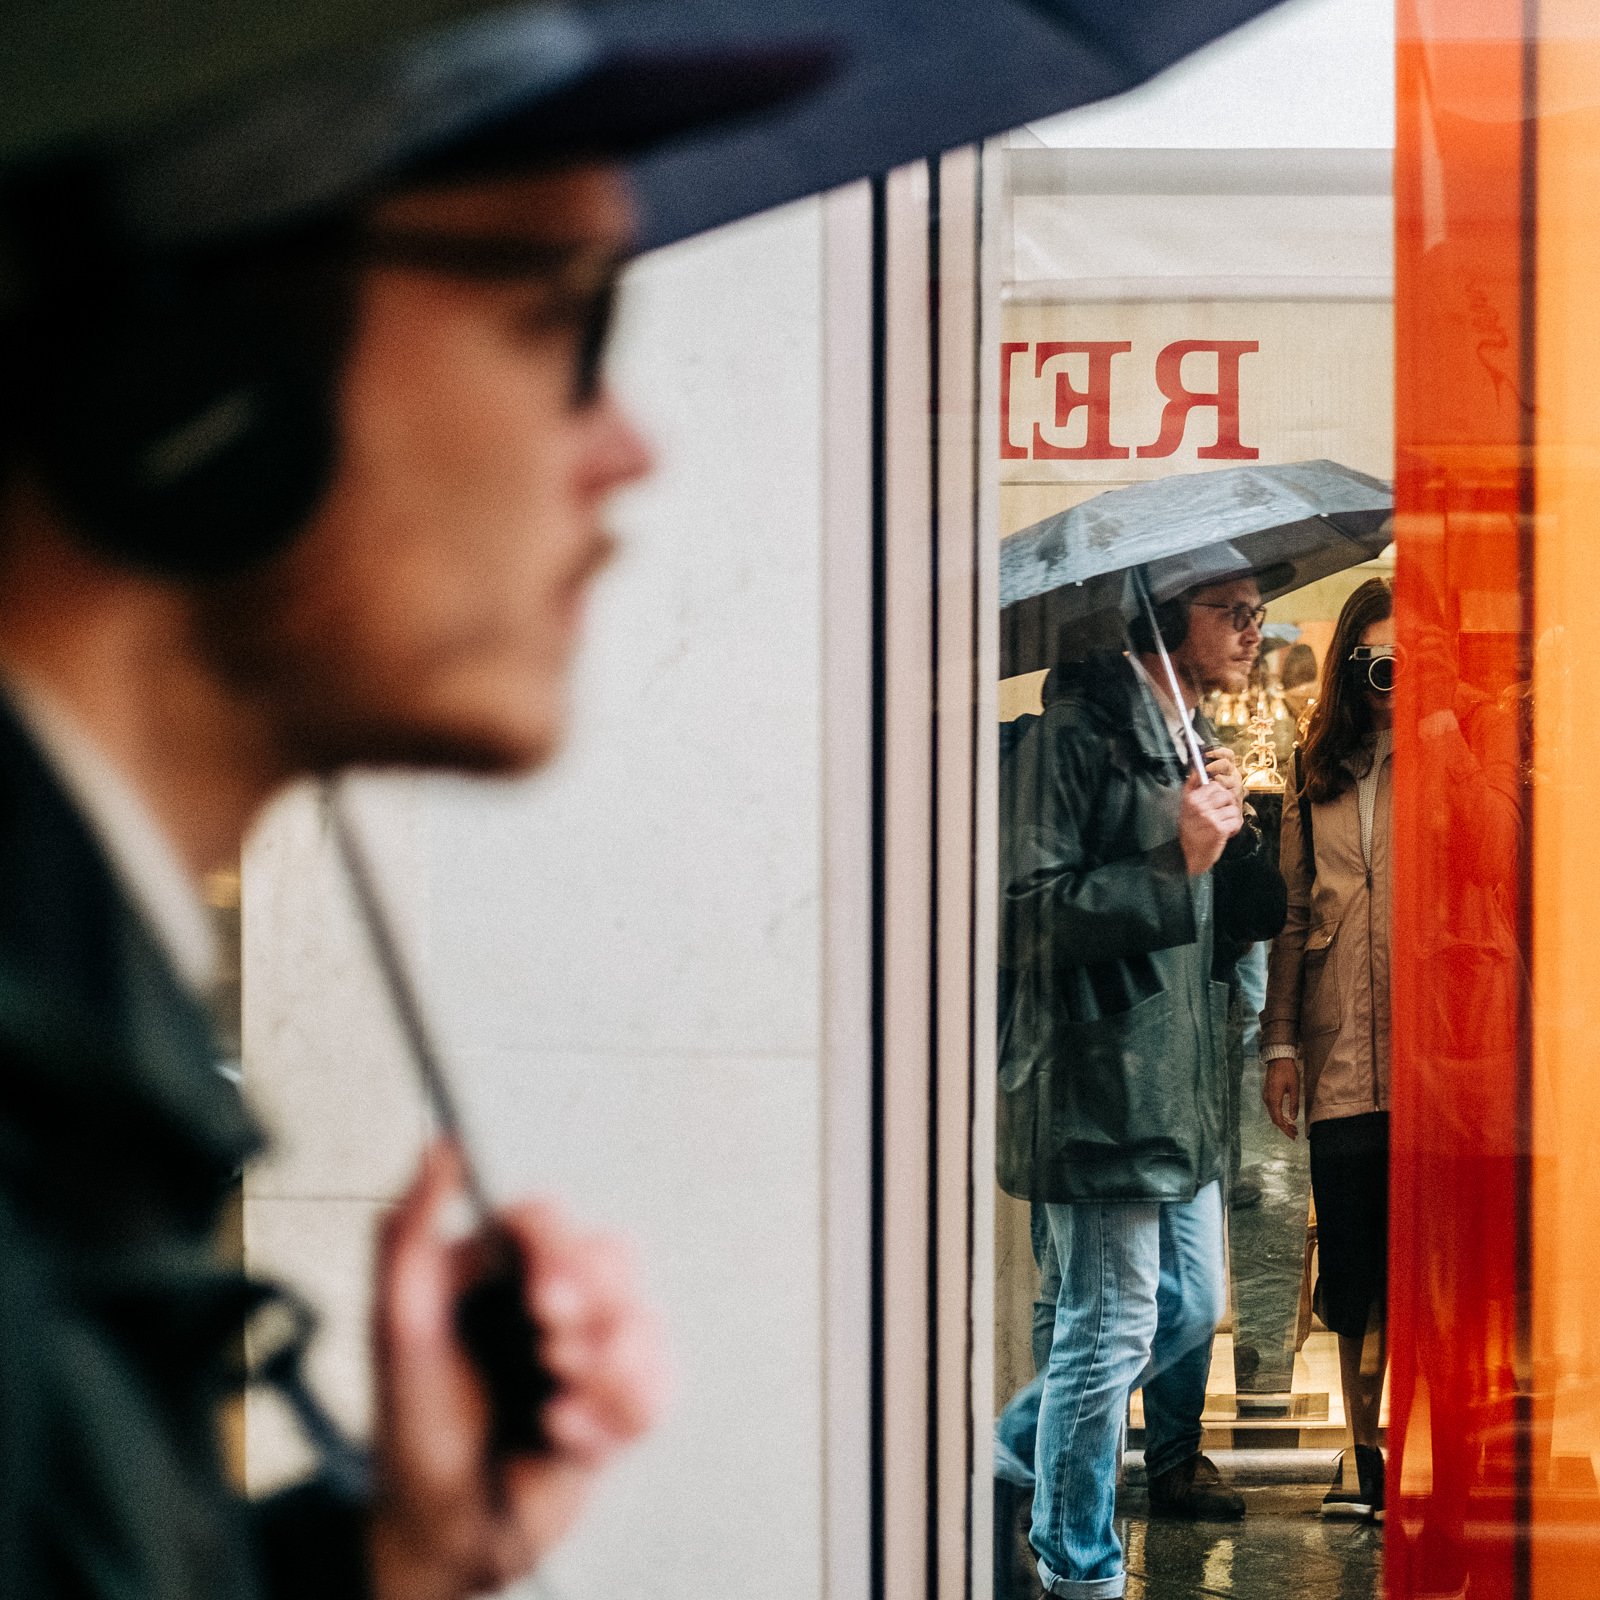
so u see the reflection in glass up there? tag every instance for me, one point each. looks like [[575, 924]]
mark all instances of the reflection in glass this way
[[1141, 339]]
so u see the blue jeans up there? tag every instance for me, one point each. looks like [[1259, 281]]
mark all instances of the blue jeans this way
[[1017, 1425], [1173, 1399], [1141, 1295], [1251, 971], [1044, 1305]]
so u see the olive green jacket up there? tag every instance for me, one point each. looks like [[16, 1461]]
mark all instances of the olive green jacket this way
[[118, 1325], [1113, 1077]]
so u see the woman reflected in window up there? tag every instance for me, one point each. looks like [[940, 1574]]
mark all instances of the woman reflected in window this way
[[1325, 1026]]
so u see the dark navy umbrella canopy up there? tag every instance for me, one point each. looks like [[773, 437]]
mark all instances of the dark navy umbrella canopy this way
[[917, 77], [909, 78], [1063, 587]]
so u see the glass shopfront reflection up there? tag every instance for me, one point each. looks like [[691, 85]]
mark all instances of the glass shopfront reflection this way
[[1151, 368], [1284, 1361], [1170, 312]]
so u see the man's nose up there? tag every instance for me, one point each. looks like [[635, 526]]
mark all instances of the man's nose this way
[[619, 453]]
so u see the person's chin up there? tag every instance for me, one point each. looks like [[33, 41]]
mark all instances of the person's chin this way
[[508, 746], [490, 740]]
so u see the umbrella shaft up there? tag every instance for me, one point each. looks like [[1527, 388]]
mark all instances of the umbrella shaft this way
[[402, 993], [1196, 756]]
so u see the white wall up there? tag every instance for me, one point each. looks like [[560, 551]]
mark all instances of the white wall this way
[[622, 954], [1310, 74]]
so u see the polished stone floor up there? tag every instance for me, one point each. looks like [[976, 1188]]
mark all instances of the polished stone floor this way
[[1282, 1548]]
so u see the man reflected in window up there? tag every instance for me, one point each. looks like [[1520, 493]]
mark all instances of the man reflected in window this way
[[1114, 1100]]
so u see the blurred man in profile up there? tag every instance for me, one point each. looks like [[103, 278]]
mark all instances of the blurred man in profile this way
[[305, 453]]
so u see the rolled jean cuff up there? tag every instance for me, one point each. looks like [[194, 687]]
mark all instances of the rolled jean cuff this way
[[1112, 1588], [1169, 1456]]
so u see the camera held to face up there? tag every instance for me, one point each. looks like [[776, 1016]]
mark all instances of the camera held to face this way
[[1374, 666]]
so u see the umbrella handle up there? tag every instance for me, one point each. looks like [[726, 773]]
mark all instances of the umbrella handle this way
[[1196, 755]]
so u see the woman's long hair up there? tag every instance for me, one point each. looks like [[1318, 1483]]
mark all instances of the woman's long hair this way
[[1341, 720]]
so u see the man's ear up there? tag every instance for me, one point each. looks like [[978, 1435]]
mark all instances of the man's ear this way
[[179, 412], [1172, 617], [189, 442]]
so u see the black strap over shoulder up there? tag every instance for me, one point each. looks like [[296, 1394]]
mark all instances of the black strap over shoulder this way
[[1307, 836]]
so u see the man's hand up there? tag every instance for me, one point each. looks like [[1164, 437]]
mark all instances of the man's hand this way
[[447, 1522], [1208, 817], [1280, 1093], [1222, 768]]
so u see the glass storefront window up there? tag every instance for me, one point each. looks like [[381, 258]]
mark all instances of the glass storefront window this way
[[1167, 313]]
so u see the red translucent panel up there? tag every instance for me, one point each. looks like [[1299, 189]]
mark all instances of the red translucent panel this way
[[1463, 1432], [1495, 1280]]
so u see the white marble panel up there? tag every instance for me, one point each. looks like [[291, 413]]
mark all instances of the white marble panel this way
[[324, 1062], [712, 1168], [657, 889], [622, 954]]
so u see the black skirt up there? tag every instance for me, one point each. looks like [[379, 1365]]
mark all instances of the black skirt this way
[[1350, 1181]]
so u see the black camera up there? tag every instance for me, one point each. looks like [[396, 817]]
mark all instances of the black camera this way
[[1374, 665]]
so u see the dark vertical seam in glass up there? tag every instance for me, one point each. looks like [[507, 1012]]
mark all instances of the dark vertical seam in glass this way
[[974, 744], [879, 519], [1527, 491], [935, 288]]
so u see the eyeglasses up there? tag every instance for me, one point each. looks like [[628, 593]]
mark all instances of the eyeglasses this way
[[1240, 616], [581, 281]]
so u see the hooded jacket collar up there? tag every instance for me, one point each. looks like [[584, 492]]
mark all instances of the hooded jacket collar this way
[[1106, 687]]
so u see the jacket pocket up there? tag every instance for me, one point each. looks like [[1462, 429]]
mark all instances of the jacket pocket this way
[[1219, 998], [1117, 1082], [1102, 1109], [1321, 1004]]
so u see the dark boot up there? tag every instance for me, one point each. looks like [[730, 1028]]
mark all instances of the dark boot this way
[[1342, 1501], [1363, 1502], [1369, 1468], [1195, 1491]]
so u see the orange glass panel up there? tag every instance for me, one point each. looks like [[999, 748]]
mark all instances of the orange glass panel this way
[[1496, 1180], [1461, 1420], [1566, 838]]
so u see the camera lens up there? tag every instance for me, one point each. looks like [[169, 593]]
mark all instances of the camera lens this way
[[1380, 674]]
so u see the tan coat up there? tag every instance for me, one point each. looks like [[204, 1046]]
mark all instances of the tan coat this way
[[1328, 975]]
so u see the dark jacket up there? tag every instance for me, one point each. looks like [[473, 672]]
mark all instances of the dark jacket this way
[[1252, 900], [1113, 1077], [118, 1325]]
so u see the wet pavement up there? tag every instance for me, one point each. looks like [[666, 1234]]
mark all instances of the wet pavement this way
[[1281, 1548]]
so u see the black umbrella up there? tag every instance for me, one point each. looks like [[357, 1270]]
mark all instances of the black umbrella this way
[[911, 78], [72, 69], [919, 76], [1063, 581]]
